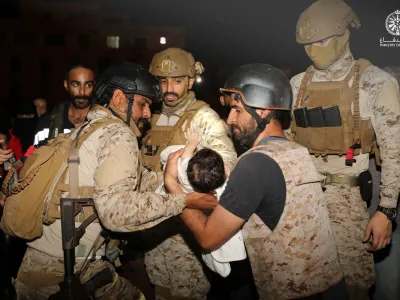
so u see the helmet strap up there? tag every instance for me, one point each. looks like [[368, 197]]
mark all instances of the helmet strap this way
[[130, 103], [129, 111], [261, 123], [114, 113]]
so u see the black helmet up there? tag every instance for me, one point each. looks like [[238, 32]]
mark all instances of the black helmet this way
[[130, 78], [260, 86]]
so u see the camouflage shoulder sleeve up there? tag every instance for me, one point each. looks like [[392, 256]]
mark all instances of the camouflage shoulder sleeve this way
[[121, 205], [150, 180], [383, 101], [295, 82], [214, 135]]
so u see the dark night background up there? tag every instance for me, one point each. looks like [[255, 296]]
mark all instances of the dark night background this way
[[224, 34]]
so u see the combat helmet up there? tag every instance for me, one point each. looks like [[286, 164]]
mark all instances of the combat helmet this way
[[175, 62], [131, 79], [259, 86], [325, 19]]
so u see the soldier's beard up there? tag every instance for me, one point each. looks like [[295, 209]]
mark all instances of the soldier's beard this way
[[323, 57], [143, 125], [245, 136], [81, 101]]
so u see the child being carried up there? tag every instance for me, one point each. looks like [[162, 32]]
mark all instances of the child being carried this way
[[203, 171]]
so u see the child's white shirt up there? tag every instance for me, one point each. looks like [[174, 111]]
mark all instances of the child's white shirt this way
[[234, 249]]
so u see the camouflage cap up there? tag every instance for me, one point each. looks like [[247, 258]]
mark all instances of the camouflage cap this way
[[324, 19], [175, 62]]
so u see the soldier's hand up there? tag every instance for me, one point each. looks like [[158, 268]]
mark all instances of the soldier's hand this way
[[5, 155], [3, 199], [381, 229], [201, 201]]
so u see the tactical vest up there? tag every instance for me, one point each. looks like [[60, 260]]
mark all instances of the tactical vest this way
[[160, 137], [299, 257], [344, 94]]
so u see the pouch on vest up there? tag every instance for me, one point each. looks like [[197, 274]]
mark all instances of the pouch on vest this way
[[332, 116], [343, 126], [35, 199], [365, 183], [300, 116], [315, 117]]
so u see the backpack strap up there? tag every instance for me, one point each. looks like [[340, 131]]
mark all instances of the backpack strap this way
[[73, 159], [73, 163]]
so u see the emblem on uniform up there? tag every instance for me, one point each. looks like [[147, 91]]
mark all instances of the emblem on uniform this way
[[150, 150], [167, 66], [393, 23]]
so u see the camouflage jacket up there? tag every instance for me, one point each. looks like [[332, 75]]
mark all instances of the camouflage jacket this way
[[123, 190], [208, 124], [379, 102]]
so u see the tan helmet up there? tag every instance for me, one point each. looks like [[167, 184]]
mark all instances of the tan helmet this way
[[324, 19], [175, 62]]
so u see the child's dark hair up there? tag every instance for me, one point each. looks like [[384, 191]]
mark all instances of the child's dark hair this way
[[206, 171]]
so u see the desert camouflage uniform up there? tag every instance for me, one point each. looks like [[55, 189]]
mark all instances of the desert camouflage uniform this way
[[38, 264], [110, 162], [387, 263], [175, 265], [379, 101], [299, 257]]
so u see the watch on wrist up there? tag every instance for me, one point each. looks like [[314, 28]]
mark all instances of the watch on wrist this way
[[390, 213]]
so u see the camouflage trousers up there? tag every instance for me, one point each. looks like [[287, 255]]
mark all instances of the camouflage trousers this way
[[39, 274], [176, 270], [349, 218]]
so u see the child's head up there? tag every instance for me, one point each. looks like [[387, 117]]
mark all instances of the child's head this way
[[206, 171]]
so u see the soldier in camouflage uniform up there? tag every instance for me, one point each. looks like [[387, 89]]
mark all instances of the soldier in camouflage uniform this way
[[273, 192], [387, 263], [175, 266], [110, 163], [341, 105]]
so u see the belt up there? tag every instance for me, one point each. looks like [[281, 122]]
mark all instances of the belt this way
[[339, 179]]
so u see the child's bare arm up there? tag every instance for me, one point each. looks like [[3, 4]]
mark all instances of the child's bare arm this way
[[193, 139]]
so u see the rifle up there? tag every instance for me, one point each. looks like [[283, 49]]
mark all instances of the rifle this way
[[72, 288]]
